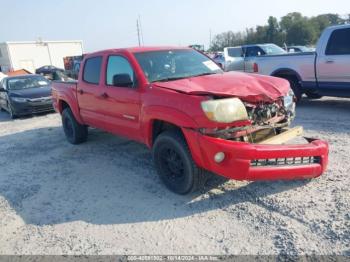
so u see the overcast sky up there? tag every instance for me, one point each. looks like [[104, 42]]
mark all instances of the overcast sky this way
[[112, 23]]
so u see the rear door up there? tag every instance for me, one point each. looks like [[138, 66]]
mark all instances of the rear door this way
[[89, 93], [333, 67], [122, 103]]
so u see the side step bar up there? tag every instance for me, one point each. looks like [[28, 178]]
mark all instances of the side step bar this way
[[284, 137]]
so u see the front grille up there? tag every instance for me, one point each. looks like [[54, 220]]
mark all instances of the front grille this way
[[291, 161], [39, 109]]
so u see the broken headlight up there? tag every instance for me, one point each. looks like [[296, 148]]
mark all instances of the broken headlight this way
[[225, 110], [289, 103]]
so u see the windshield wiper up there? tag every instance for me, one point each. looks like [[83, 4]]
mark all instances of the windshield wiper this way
[[182, 77], [205, 74], [170, 79]]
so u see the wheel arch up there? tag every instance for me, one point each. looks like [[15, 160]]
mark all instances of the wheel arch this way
[[157, 119], [285, 72], [63, 104]]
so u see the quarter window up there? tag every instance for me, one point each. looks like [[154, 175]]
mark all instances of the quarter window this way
[[339, 42], [92, 70], [118, 65]]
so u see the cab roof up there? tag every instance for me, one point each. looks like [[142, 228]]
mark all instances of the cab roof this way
[[140, 49]]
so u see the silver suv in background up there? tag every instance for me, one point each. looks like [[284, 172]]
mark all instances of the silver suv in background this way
[[234, 57]]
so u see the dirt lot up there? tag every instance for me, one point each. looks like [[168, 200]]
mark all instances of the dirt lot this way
[[104, 197]]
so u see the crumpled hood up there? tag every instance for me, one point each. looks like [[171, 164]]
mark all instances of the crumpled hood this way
[[248, 87]]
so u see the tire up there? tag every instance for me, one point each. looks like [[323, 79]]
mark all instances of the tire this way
[[175, 165], [75, 132], [294, 84], [313, 95], [10, 111]]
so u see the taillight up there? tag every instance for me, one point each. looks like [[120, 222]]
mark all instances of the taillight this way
[[255, 68]]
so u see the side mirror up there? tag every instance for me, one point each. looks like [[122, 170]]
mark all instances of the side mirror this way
[[122, 80]]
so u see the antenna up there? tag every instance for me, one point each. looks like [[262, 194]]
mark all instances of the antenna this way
[[138, 31], [141, 30]]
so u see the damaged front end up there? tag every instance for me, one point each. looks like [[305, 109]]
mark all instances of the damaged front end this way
[[253, 145], [266, 119]]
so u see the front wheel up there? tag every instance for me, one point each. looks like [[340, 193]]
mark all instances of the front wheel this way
[[295, 85], [74, 131], [10, 110], [313, 95], [175, 165]]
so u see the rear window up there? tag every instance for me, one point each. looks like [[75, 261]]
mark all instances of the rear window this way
[[92, 70], [339, 42]]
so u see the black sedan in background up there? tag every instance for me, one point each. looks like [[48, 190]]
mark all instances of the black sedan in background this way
[[24, 95]]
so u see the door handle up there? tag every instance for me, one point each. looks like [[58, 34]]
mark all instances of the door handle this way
[[329, 61], [81, 91], [104, 95]]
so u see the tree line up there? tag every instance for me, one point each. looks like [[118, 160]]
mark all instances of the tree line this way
[[292, 29]]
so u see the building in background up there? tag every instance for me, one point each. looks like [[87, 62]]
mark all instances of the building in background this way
[[35, 54]]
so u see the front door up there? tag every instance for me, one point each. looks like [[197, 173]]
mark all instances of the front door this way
[[333, 67], [122, 101]]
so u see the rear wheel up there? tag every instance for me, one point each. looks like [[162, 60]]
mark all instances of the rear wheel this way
[[175, 165], [74, 131]]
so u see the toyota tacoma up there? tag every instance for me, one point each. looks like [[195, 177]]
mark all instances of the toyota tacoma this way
[[193, 116]]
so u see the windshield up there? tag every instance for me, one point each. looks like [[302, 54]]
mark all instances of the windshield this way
[[273, 50], [26, 82], [170, 65]]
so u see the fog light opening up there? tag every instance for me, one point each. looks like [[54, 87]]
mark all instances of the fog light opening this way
[[219, 157]]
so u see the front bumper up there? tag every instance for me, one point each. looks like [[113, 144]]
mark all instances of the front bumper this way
[[245, 161], [29, 107]]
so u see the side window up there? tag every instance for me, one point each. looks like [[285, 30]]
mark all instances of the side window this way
[[254, 51], [92, 70], [119, 66], [339, 42]]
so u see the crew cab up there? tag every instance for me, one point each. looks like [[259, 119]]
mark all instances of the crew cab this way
[[195, 117], [325, 72]]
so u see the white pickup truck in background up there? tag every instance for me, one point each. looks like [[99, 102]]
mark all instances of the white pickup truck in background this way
[[325, 72]]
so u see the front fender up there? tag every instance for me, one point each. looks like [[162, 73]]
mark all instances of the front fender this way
[[166, 114]]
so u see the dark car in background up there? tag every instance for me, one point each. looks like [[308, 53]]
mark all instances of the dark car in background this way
[[27, 94], [219, 58], [52, 73], [48, 69]]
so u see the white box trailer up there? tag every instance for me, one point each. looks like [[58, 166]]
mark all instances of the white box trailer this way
[[31, 55]]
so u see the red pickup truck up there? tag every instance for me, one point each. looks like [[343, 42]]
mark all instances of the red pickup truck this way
[[193, 116]]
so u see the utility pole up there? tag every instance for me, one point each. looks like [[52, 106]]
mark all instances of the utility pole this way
[[138, 31]]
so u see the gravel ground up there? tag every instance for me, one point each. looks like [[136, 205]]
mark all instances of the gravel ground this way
[[104, 197]]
